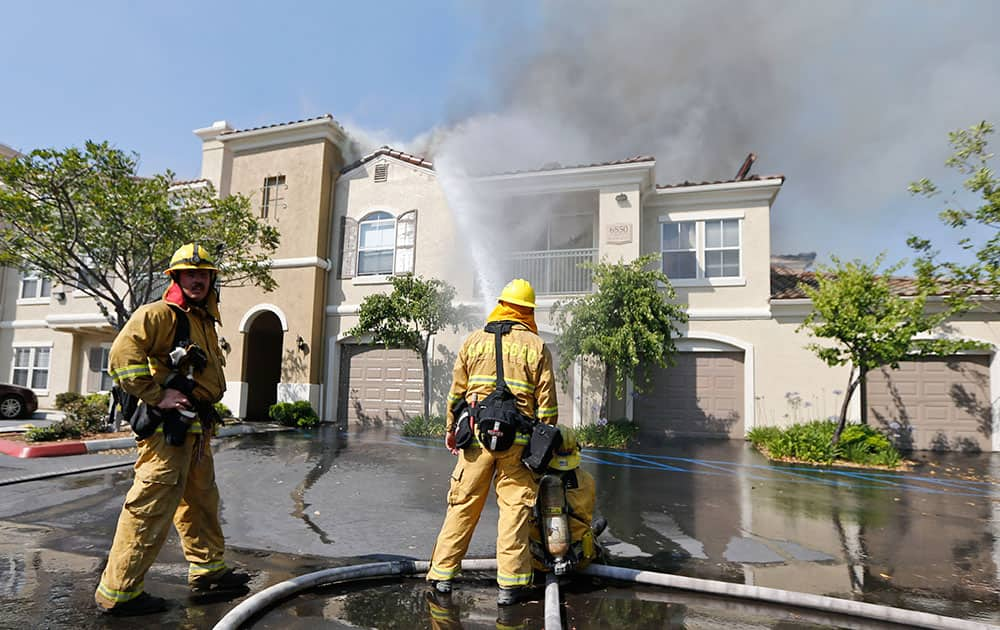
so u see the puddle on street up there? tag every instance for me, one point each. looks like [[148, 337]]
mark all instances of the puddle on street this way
[[586, 605]]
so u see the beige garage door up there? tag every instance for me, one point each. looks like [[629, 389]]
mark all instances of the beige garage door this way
[[379, 385], [934, 403], [702, 396]]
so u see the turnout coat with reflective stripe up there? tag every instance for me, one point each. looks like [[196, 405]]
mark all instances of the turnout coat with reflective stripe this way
[[527, 369], [138, 357]]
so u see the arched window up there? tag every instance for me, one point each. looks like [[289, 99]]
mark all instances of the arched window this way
[[376, 244]]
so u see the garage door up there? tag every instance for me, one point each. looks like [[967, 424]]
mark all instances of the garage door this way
[[935, 403], [701, 396], [379, 384]]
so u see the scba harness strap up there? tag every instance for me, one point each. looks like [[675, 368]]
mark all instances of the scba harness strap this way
[[497, 418]]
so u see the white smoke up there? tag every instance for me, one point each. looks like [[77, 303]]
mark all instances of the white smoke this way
[[850, 100]]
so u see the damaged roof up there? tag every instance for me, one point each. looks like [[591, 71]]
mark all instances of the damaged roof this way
[[409, 158]]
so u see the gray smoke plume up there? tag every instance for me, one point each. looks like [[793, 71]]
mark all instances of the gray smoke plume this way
[[850, 100]]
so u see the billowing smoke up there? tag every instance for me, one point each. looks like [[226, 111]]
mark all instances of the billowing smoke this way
[[851, 100]]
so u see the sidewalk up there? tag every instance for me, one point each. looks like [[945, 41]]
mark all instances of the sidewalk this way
[[82, 447]]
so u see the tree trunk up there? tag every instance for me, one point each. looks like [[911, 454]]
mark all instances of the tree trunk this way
[[863, 393], [606, 396], [426, 364], [852, 383]]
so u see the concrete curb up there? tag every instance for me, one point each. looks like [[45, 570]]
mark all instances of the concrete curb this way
[[81, 447]]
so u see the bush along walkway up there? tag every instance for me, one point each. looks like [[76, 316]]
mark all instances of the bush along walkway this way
[[81, 447], [811, 443]]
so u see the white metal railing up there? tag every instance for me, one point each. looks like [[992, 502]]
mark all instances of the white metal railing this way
[[553, 272]]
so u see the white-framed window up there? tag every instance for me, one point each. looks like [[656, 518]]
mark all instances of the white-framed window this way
[[376, 244], [272, 196], [680, 251], [707, 250], [105, 381], [31, 367], [34, 286]]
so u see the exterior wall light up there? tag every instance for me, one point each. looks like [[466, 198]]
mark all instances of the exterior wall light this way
[[621, 197]]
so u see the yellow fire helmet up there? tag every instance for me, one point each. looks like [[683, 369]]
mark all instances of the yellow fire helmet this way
[[191, 256], [518, 291], [567, 456]]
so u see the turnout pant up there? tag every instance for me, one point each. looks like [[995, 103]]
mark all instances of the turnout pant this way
[[516, 487], [171, 485]]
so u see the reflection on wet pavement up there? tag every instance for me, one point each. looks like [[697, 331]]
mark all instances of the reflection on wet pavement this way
[[299, 502]]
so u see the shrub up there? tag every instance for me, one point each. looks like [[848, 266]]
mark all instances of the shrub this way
[[810, 442], [294, 414], [64, 428], [222, 410], [65, 399], [617, 434], [417, 426]]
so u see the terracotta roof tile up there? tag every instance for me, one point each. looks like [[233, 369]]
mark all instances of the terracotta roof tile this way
[[555, 166], [751, 178], [786, 284], [416, 160], [188, 182], [282, 124]]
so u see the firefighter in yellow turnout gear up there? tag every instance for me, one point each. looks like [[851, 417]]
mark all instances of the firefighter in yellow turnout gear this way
[[566, 500], [174, 473], [527, 368]]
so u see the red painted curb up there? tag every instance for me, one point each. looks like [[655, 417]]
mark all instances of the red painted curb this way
[[18, 449]]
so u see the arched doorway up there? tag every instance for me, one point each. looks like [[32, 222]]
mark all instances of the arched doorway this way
[[262, 364]]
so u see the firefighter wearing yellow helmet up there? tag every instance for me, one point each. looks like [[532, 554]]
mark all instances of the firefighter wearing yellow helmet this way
[[527, 372], [563, 535], [168, 357]]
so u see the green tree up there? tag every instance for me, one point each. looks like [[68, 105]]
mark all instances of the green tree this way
[[870, 324], [972, 160], [627, 323], [408, 317], [85, 219]]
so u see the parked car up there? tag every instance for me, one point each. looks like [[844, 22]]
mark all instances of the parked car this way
[[16, 402]]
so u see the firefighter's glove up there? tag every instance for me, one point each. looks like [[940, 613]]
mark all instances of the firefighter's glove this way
[[180, 383]]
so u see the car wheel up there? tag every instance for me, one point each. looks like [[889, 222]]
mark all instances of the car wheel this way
[[11, 407]]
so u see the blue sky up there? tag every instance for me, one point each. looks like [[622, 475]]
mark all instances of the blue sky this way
[[850, 100]]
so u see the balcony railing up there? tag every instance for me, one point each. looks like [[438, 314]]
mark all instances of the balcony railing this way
[[553, 272]]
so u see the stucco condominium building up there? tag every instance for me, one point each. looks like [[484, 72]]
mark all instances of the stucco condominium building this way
[[348, 227]]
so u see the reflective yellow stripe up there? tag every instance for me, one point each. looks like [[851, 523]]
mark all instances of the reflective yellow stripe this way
[[436, 573], [194, 428], [119, 596], [547, 412], [483, 379], [513, 579], [130, 371], [521, 385], [520, 438], [455, 397], [208, 567]]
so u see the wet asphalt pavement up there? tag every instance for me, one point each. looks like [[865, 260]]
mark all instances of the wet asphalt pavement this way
[[298, 502]]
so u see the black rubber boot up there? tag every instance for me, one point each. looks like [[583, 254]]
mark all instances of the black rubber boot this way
[[511, 596], [227, 580], [144, 604], [442, 586]]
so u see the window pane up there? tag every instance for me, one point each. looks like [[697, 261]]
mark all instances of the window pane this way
[[46, 288], [20, 377], [40, 379], [722, 264], [377, 234], [374, 262], [678, 235], [29, 287], [679, 265], [22, 357], [713, 234], [731, 233], [42, 357]]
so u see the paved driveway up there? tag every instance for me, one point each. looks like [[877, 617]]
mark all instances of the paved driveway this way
[[297, 502]]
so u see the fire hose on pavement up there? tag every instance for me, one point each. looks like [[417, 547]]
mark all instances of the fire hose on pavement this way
[[273, 595]]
